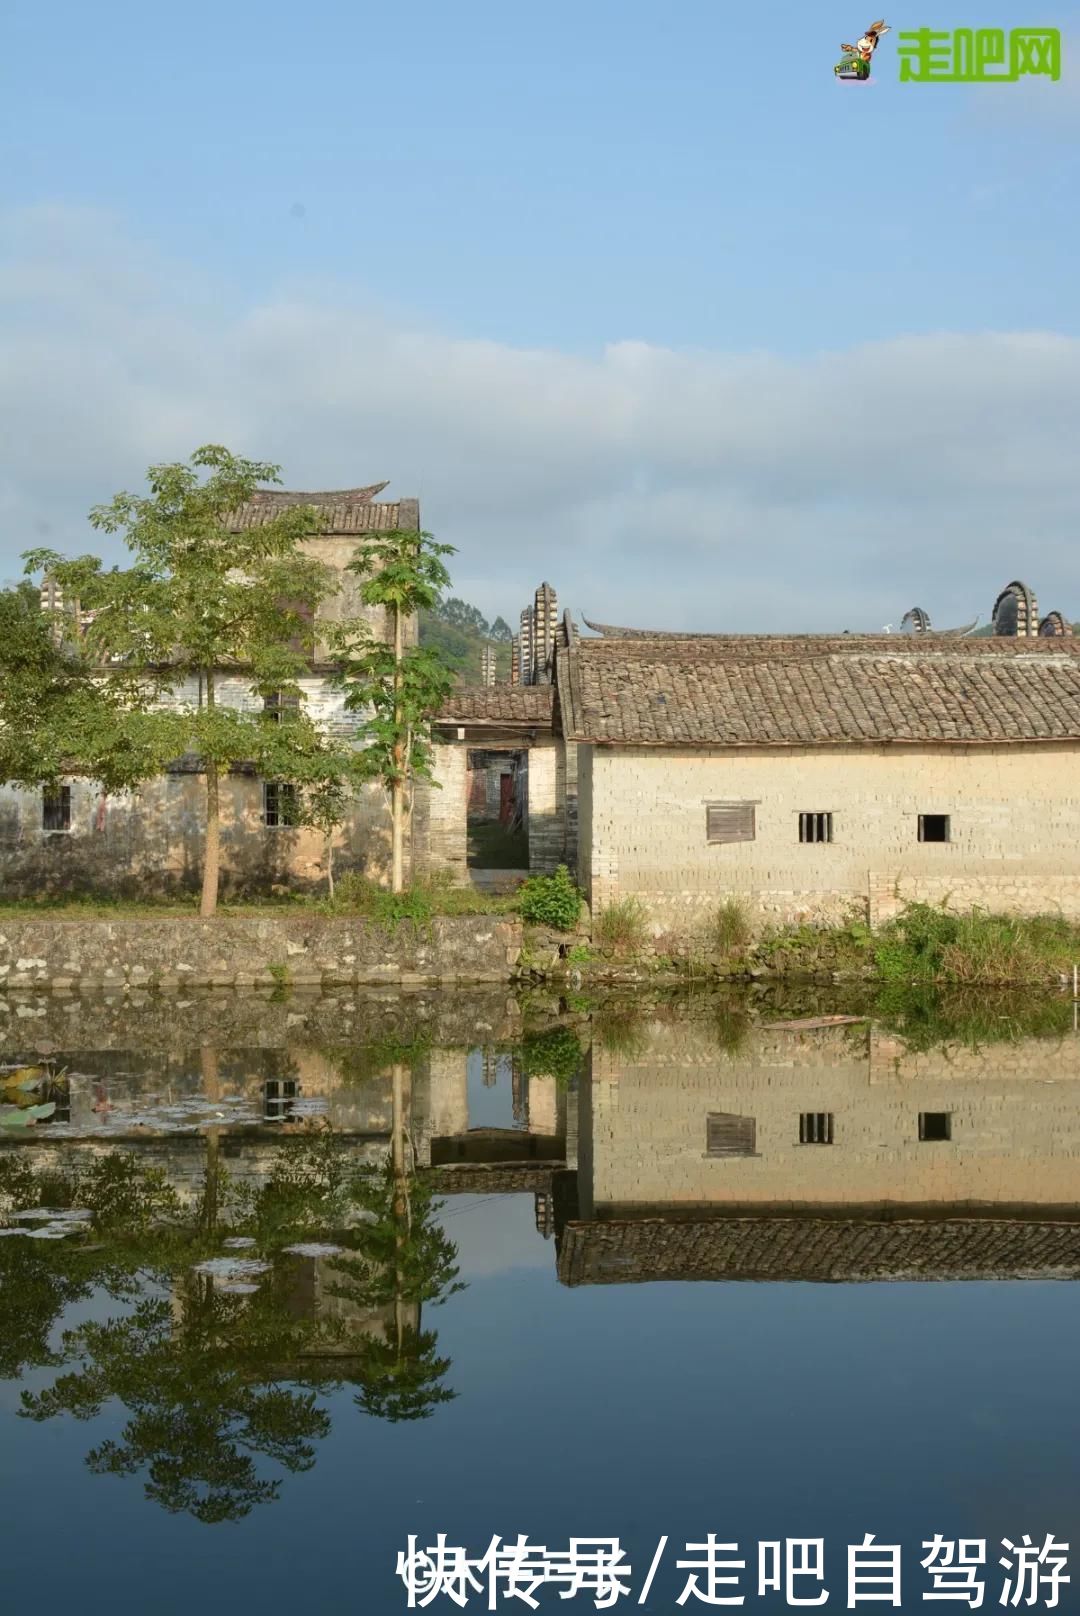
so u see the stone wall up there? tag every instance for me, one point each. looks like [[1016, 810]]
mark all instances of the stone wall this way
[[151, 841], [1014, 842], [246, 951]]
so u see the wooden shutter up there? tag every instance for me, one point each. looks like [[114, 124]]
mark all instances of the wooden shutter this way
[[729, 821], [729, 1135]]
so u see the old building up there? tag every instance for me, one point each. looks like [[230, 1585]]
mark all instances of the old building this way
[[813, 778], [152, 840]]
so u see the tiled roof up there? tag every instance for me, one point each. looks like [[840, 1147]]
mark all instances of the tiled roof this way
[[622, 1251], [344, 510], [759, 690], [499, 704]]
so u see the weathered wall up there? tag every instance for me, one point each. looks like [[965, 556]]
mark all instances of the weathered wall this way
[[1015, 1111], [545, 823], [244, 950], [1015, 830], [152, 841], [439, 817]]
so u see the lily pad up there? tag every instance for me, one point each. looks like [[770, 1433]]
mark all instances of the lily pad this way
[[231, 1269], [238, 1242], [315, 1248], [13, 1116]]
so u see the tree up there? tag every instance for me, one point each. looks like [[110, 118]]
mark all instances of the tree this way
[[56, 717], [500, 630], [399, 690], [200, 598]]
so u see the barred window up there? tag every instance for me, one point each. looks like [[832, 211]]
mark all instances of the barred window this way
[[729, 1135], [281, 808], [730, 821], [279, 707], [816, 1128], [56, 809], [279, 1098], [815, 827]]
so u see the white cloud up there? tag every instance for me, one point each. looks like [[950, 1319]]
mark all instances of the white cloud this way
[[681, 489]]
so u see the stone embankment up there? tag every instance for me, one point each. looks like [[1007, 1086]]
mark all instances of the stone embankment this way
[[239, 951]]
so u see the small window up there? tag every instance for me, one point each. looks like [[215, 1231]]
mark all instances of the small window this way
[[934, 828], [729, 821], [815, 827], [279, 1098], [934, 1125], [728, 1135], [816, 1128], [279, 707], [56, 809], [281, 809]]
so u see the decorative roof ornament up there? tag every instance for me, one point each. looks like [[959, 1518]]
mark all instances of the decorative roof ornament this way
[[1016, 611], [1054, 626]]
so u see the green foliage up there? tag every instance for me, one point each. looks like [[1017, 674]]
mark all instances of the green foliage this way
[[550, 900], [730, 929], [622, 927], [398, 699], [56, 718], [460, 634], [934, 944], [199, 597], [554, 1052]]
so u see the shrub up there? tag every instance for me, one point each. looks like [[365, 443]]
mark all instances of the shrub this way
[[928, 944], [550, 900], [623, 927], [731, 929]]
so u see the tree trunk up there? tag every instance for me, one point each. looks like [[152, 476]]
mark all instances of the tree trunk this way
[[212, 857], [397, 791], [330, 865]]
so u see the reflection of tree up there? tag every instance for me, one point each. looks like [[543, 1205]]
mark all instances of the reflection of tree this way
[[201, 1393], [219, 1386]]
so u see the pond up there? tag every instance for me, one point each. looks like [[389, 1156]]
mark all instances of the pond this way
[[308, 1300]]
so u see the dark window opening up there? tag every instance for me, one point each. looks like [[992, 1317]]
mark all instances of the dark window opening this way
[[280, 708], [933, 827], [56, 809], [816, 1128], [279, 1097], [730, 821], [934, 1125], [815, 827], [729, 1135], [281, 808]]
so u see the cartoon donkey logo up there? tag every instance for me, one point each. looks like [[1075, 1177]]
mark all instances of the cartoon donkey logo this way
[[855, 63]]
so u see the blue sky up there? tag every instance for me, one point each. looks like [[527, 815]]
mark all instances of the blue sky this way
[[635, 297]]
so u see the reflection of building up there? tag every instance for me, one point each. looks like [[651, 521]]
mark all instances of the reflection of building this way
[[825, 1154]]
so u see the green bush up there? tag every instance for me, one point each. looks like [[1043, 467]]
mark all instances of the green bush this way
[[623, 927], [731, 930], [550, 900], [928, 944]]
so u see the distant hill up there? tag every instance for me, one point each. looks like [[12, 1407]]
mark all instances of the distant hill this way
[[461, 632]]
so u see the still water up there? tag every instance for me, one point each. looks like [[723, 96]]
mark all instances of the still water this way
[[285, 1283]]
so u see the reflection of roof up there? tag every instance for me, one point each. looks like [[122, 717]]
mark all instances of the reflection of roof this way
[[344, 510], [499, 704], [619, 1252], [497, 1178], [761, 690]]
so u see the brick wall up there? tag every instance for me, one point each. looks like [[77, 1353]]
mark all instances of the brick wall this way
[[1014, 819], [1015, 1121], [546, 826], [440, 830]]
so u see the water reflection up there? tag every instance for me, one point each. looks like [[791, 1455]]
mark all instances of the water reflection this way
[[266, 1224]]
